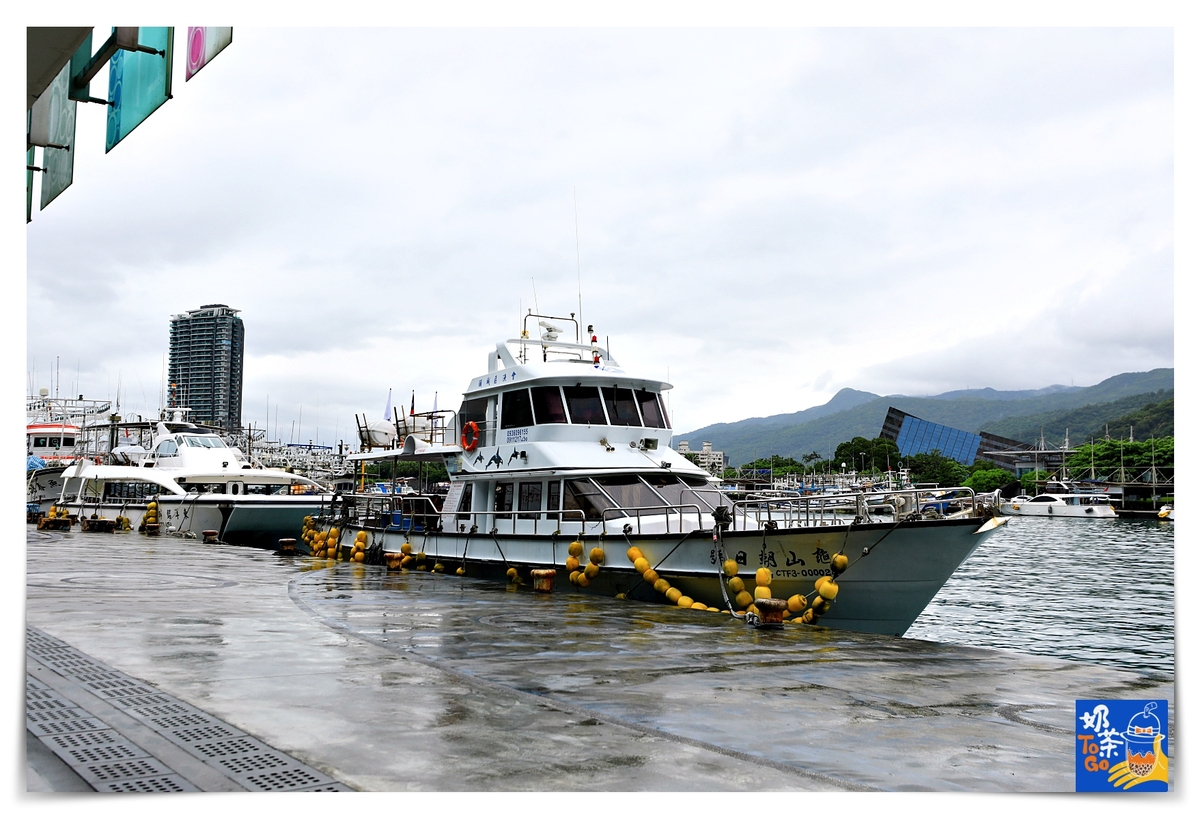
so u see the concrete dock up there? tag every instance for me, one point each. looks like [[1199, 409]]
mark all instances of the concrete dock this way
[[362, 679]]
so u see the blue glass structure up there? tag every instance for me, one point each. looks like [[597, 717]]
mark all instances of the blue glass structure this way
[[916, 436]]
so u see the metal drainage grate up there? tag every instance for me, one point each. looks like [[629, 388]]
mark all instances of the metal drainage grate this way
[[162, 783], [112, 763]]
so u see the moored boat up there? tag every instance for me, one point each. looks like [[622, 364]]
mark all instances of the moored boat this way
[[196, 483], [560, 459], [1091, 506]]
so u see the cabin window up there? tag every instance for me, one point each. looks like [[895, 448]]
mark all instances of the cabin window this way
[[622, 411], [198, 442], [1043, 499], [583, 403], [71, 487], [548, 405], [39, 442], [504, 497], [474, 410], [516, 410], [652, 412], [166, 449], [553, 495], [266, 488], [130, 491], [668, 486], [68, 441], [529, 498], [584, 495], [628, 491], [464, 502], [54, 442]]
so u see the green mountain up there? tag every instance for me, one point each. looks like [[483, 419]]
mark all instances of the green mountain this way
[[852, 413], [1143, 412]]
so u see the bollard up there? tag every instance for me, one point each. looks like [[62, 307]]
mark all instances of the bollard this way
[[210, 536], [770, 611], [543, 579], [287, 546], [152, 529]]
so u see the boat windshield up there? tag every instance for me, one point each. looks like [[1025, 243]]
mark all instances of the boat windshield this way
[[204, 441], [584, 495], [629, 491]]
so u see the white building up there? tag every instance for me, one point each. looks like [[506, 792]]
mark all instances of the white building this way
[[714, 463]]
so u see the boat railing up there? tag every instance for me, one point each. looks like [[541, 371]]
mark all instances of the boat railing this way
[[802, 511], [665, 512], [505, 522]]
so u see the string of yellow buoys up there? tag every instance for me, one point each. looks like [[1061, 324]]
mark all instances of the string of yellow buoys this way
[[825, 590], [582, 578], [651, 578]]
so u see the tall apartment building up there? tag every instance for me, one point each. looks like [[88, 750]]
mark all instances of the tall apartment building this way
[[205, 369]]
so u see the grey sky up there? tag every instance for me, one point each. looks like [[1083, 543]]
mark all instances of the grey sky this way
[[772, 214]]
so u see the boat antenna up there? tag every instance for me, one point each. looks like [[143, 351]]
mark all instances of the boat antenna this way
[[578, 266], [534, 281]]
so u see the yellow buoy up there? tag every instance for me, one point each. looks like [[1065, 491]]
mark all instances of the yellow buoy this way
[[673, 594], [730, 568], [821, 581], [840, 562], [572, 563], [753, 609], [460, 571], [736, 586], [762, 592], [819, 606], [661, 585], [713, 610], [641, 565], [574, 577], [743, 599], [583, 581], [634, 553], [437, 566], [685, 601], [334, 533], [511, 573], [361, 536], [828, 590], [762, 576], [650, 576], [406, 548], [797, 603], [808, 617], [575, 549], [596, 555], [590, 570], [699, 606], [360, 556]]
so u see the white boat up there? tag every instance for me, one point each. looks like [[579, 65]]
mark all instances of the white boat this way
[[556, 444], [1094, 506], [1167, 512], [200, 484]]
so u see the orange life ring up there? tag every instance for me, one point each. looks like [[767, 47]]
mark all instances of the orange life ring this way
[[470, 445]]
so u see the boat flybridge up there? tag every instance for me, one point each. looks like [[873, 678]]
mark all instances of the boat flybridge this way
[[556, 445], [200, 483]]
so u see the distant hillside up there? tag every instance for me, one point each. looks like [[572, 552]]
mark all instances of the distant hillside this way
[[1084, 422], [822, 428]]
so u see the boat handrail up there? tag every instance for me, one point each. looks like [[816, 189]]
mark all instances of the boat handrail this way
[[478, 519], [655, 511], [795, 512]]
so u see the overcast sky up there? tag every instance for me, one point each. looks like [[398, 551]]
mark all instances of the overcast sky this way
[[769, 215]]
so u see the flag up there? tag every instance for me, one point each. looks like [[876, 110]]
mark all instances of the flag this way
[[413, 409], [387, 413]]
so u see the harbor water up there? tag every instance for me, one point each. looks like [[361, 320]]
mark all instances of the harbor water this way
[[1096, 591]]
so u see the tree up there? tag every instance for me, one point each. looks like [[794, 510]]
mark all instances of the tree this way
[[985, 480], [934, 468], [861, 454]]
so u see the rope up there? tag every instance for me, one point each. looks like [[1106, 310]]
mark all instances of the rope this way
[[496, 540]]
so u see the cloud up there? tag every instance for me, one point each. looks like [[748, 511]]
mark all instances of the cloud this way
[[770, 214]]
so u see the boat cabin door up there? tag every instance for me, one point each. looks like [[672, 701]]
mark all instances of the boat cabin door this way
[[235, 487]]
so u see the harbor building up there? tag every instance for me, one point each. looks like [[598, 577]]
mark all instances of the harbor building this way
[[914, 435], [205, 369], [712, 462]]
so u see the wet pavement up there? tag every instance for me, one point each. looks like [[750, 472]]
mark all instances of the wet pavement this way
[[432, 682]]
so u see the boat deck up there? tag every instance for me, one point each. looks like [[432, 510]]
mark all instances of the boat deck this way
[[378, 681]]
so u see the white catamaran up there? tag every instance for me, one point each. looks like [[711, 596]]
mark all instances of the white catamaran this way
[[557, 444]]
